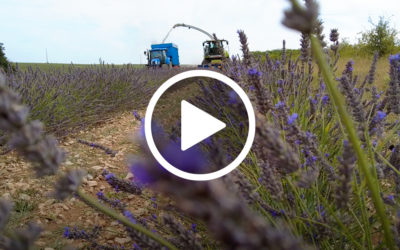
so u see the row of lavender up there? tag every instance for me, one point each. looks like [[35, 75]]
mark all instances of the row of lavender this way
[[67, 99]]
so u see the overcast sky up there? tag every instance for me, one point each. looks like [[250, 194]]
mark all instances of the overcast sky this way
[[118, 31]]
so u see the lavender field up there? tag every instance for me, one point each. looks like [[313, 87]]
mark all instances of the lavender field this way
[[323, 172]]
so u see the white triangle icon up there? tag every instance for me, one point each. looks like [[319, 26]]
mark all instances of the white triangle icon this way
[[196, 125]]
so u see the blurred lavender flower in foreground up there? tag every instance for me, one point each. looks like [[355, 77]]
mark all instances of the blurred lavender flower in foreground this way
[[300, 18], [232, 221], [68, 184], [345, 176], [269, 146], [184, 239], [5, 211], [393, 93], [245, 48], [28, 137], [22, 239]]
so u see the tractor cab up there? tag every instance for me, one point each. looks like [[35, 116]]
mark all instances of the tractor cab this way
[[158, 57], [214, 52], [163, 53], [214, 47]]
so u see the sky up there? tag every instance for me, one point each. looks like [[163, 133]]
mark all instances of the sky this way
[[119, 31]]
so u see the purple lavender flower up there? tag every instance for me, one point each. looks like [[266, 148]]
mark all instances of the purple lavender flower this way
[[302, 19], [109, 176], [192, 160], [280, 105], [321, 210], [66, 233], [68, 184], [350, 66], [5, 212], [120, 184], [130, 216], [21, 239], [393, 58], [233, 97], [254, 72], [325, 99], [380, 115], [194, 227], [292, 118], [136, 115], [140, 172]]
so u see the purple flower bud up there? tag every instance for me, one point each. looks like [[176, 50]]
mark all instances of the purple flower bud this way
[[393, 58], [325, 99], [381, 115], [108, 176], [233, 97], [194, 227], [130, 216], [280, 105], [292, 118], [66, 232], [136, 115], [254, 72]]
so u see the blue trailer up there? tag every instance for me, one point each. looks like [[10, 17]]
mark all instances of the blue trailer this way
[[162, 54]]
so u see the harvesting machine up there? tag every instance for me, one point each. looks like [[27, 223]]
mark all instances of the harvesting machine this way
[[214, 52]]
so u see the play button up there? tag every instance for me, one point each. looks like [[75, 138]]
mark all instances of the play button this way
[[196, 125], [203, 125]]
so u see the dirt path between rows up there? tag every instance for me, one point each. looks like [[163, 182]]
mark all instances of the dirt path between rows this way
[[32, 197]]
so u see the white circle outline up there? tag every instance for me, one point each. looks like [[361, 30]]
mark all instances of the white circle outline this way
[[149, 136]]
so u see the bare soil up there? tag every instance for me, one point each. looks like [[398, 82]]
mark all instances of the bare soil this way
[[32, 197]]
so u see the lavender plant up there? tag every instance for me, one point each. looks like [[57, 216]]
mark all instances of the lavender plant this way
[[69, 99]]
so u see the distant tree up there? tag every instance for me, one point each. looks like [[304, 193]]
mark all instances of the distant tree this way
[[3, 59], [382, 38], [4, 63]]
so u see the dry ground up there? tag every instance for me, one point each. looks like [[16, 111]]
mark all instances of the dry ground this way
[[32, 197]]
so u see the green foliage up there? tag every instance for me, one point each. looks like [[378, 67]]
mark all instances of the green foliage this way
[[4, 63], [381, 38], [275, 54], [348, 50]]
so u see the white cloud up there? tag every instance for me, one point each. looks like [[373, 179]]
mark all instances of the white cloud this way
[[119, 31]]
